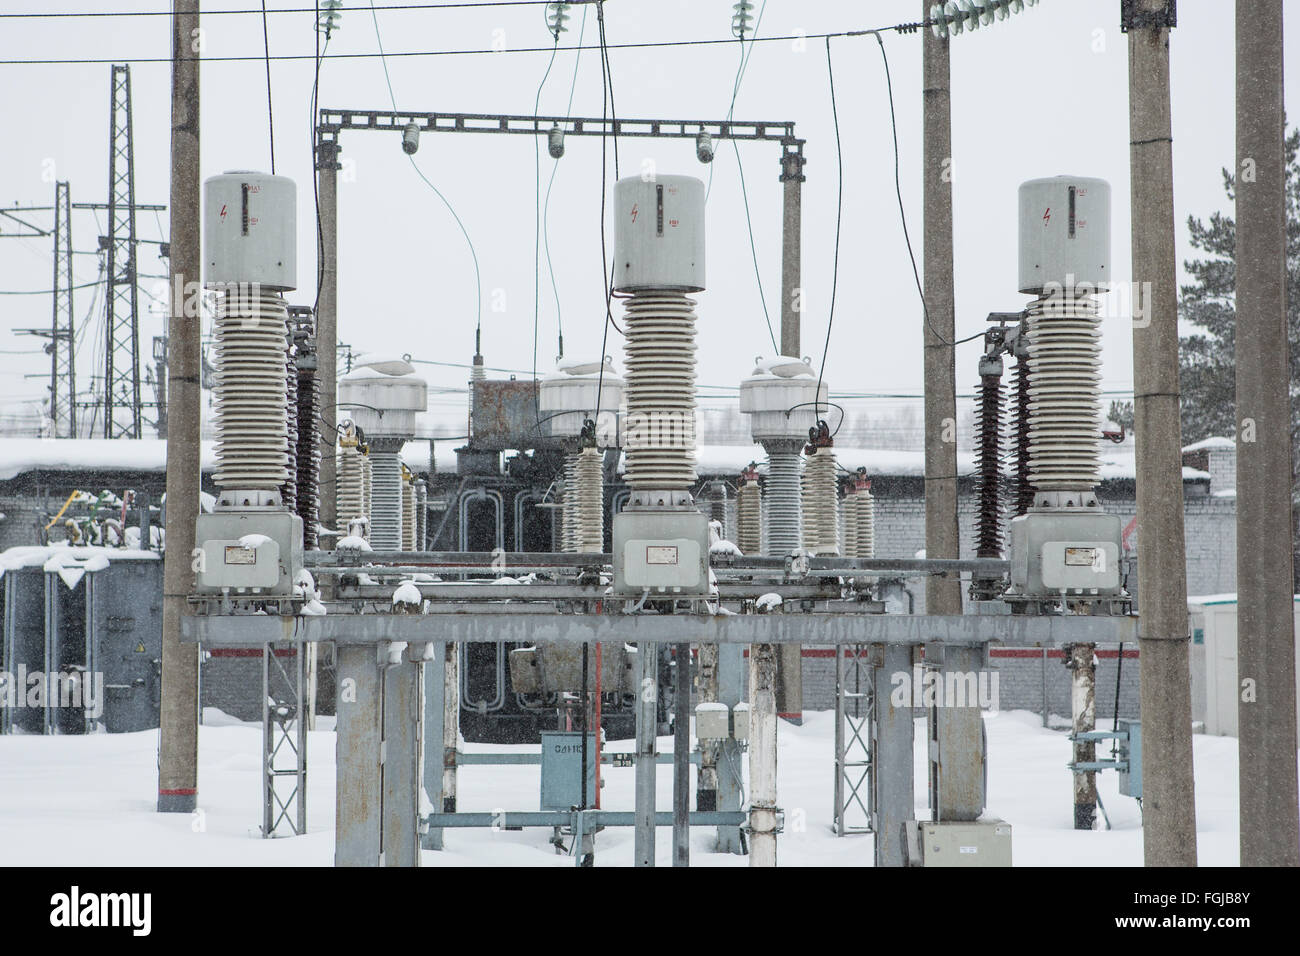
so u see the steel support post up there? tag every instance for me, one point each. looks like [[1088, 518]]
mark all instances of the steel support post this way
[[706, 681], [731, 676], [403, 722], [434, 671], [892, 734], [646, 720], [682, 758], [358, 756]]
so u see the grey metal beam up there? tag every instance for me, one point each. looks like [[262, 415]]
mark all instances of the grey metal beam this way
[[332, 122], [517, 560], [513, 624], [552, 818], [446, 591]]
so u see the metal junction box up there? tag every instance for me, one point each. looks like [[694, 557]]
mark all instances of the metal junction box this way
[[665, 550], [1072, 551], [1130, 753], [981, 843], [256, 551], [562, 769]]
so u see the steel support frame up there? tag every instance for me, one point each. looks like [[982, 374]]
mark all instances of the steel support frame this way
[[122, 329], [854, 720], [284, 740]]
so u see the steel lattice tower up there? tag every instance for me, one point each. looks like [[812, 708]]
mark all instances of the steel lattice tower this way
[[63, 373], [122, 403]]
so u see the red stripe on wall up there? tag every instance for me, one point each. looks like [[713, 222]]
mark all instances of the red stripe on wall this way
[[250, 652]]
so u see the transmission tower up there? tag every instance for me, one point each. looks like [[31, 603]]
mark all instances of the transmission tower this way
[[63, 386], [122, 402], [63, 367]]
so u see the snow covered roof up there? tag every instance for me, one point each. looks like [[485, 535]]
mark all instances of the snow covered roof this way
[[56, 557], [1122, 463], [19, 455], [1213, 442]]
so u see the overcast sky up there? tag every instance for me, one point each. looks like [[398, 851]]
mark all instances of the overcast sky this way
[[1039, 94]]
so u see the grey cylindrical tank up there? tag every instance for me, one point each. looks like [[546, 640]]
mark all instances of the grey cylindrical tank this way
[[1064, 233], [659, 234]]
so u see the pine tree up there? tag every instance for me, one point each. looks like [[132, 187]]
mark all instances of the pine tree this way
[[1207, 308]]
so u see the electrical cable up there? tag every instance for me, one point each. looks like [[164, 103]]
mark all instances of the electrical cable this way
[[270, 115], [606, 275], [546, 206], [537, 213], [488, 51], [81, 285], [740, 166], [902, 214], [478, 279], [839, 209], [51, 15], [315, 163]]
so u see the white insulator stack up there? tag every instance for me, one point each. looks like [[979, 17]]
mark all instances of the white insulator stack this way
[[1065, 392], [384, 396], [249, 259], [783, 499], [421, 513], [386, 500], [408, 512], [749, 518], [589, 533], [849, 513], [251, 397], [660, 360], [1064, 226], [866, 523], [350, 501], [367, 486], [569, 505], [820, 504]]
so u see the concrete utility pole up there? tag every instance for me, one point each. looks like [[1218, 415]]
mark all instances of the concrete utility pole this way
[[1270, 832], [1169, 813], [789, 703], [178, 743], [792, 179], [959, 788], [327, 166], [762, 754]]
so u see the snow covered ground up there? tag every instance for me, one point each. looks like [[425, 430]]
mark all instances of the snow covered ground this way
[[82, 801]]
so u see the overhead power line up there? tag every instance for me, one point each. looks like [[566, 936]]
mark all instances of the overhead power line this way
[[646, 45], [51, 14]]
